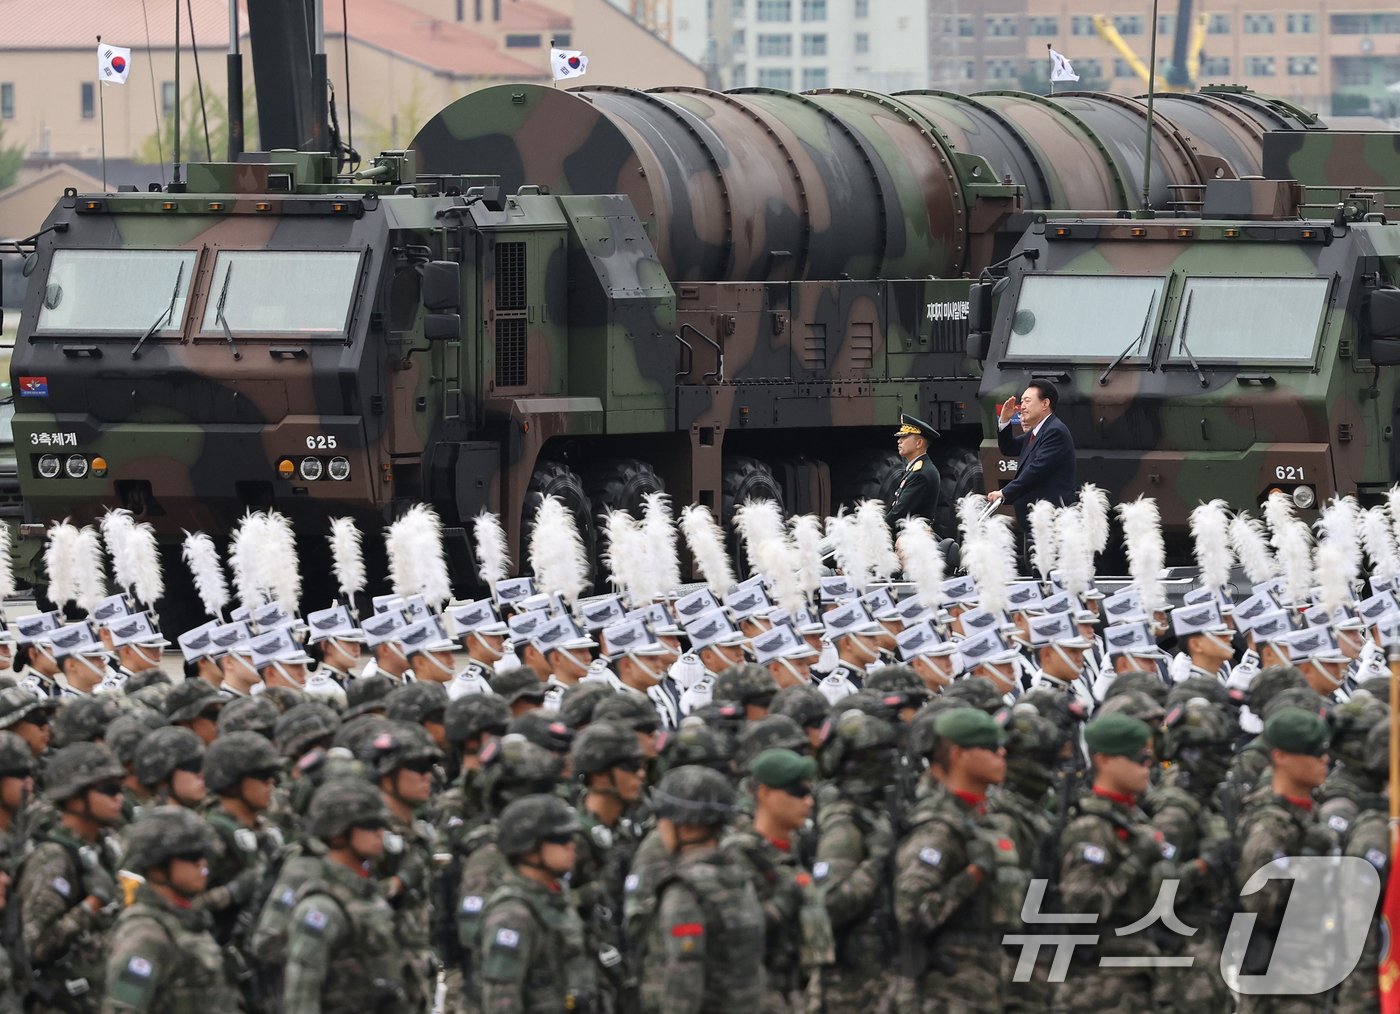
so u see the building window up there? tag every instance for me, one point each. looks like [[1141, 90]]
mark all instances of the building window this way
[[1081, 24], [862, 42], [815, 45], [89, 100], [1365, 24], [1166, 24], [1128, 24], [7, 101], [813, 77], [1089, 70], [736, 41], [1302, 66], [965, 29], [775, 77], [1043, 27], [1001, 27], [1302, 24], [1259, 66], [739, 77], [1001, 70], [862, 8], [1219, 24], [813, 10], [774, 10], [563, 40], [1258, 24], [1121, 68], [774, 45], [167, 98], [1215, 66], [524, 42]]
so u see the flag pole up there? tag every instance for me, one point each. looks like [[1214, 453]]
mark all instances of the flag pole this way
[[1393, 657], [102, 118], [1151, 93], [553, 80], [1048, 50]]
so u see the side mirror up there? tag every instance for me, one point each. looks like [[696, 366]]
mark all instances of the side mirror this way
[[442, 286], [442, 327], [979, 306], [1385, 351], [978, 344]]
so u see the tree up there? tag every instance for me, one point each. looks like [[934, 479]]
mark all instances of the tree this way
[[192, 149], [403, 125], [11, 158]]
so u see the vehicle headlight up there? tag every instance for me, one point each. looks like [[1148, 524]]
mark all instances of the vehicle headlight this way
[[339, 469], [1304, 497], [48, 466], [310, 469], [76, 466]]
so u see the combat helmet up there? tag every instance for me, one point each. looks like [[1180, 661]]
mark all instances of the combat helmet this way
[[632, 710], [748, 683], [769, 732], [577, 704], [858, 751], [512, 767], [694, 742], [235, 756], [602, 746], [1033, 747], [303, 727], [162, 833], [694, 795], [1143, 682], [163, 750], [82, 719], [803, 703], [341, 803], [899, 679], [1134, 704], [529, 820], [416, 702], [248, 714], [128, 729], [474, 715], [1352, 722], [400, 744], [16, 759], [76, 768]]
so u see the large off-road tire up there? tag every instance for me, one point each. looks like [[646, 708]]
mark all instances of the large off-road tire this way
[[960, 473], [618, 485], [872, 477], [553, 478], [745, 479]]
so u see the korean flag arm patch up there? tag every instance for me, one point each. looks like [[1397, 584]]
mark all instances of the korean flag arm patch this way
[[132, 981], [1376, 858], [930, 856], [1093, 854]]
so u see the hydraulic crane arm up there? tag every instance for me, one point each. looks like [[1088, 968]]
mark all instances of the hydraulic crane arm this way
[[1105, 27]]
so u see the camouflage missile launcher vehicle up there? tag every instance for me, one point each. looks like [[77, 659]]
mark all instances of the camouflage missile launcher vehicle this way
[[592, 294], [1246, 349]]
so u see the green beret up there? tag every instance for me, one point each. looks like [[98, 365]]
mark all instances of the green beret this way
[[969, 727], [1294, 730], [779, 768], [1117, 735]]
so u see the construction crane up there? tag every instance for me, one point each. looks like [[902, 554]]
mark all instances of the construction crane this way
[[1188, 42], [654, 16]]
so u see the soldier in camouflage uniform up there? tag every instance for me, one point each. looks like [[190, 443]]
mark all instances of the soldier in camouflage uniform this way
[[341, 942], [1021, 812], [1279, 824], [1351, 783], [1196, 816], [67, 885], [855, 843], [241, 770], [793, 913], [1368, 837], [958, 884], [170, 766], [163, 956], [16, 788], [1112, 864], [608, 763], [534, 957], [404, 759], [704, 949], [1252, 760]]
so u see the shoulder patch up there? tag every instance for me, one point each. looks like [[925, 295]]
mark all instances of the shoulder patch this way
[[274, 835], [315, 920], [602, 836], [1376, 858], [688, 929], [286, 898], [139, 967], [1338, 823], [1093, 854], [62, 886], [1168, 850], [820, 870], [917, 465], [507, 938], [930, 857], [245, 839], [471, 904], [632, 882], [393, 843]]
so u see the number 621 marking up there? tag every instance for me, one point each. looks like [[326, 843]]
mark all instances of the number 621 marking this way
[[1292, 473]]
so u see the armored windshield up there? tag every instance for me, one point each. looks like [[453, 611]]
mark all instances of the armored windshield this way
[[1251, 318], [116, 292], [1084, 316], [281, 291]]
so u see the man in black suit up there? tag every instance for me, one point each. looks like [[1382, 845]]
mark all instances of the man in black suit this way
[[919, 489], [1045, 451]]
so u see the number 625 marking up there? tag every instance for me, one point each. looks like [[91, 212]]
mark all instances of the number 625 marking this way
[[320, 442]]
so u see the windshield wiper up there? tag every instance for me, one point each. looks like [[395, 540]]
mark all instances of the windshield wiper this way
[[165, 316], [1185, 319], [219, 317], [1135, 343]]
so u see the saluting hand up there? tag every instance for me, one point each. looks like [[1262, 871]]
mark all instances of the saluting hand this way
[[1008, 409]]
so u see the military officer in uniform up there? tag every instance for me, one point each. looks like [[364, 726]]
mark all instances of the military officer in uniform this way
[[918, 489]]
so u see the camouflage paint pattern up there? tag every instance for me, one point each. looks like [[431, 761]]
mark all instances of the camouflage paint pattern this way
[[1320, 418], [679, 277]]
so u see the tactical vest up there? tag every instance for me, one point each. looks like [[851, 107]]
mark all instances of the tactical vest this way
[[196, 983], [366, 972], [561, 977], [734, 977], [79, 971]]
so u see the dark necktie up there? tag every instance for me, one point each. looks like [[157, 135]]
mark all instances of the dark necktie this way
[[1030, 441]]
